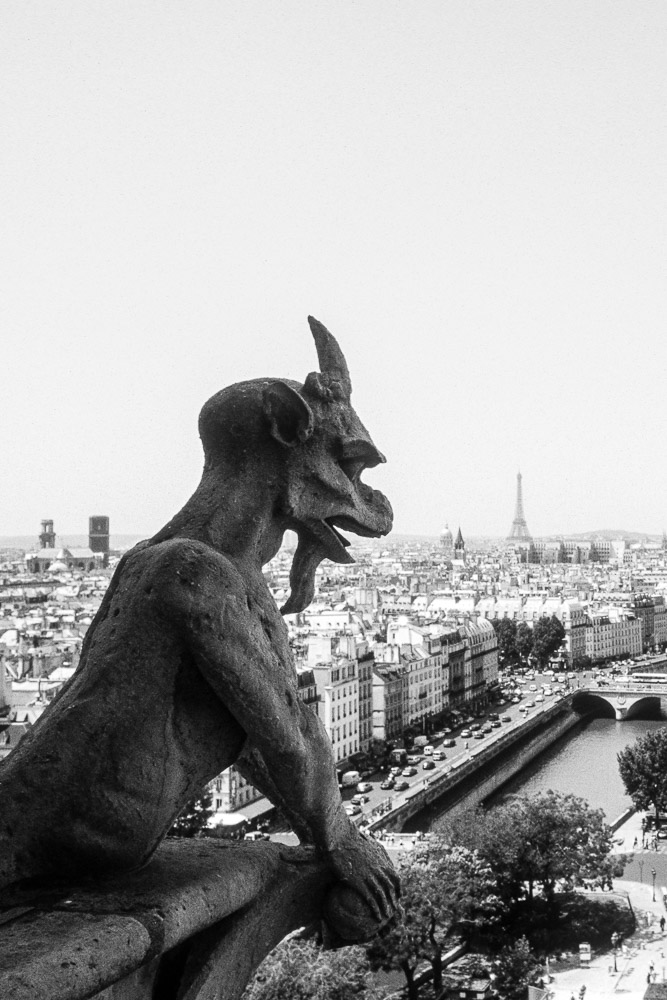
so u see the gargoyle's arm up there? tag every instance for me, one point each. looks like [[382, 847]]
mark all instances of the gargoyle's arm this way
[[251, 672]]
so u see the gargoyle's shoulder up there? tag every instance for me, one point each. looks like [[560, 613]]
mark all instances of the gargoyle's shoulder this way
[[180, 566]]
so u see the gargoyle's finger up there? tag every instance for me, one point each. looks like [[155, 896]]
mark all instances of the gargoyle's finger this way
[[382, 896]]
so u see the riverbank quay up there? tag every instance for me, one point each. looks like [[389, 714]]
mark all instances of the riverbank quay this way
[[481, 772]]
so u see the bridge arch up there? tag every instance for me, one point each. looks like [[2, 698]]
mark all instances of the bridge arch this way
[[617, 704]]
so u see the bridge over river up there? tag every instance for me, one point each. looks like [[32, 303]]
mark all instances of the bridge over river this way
[[628, 698]]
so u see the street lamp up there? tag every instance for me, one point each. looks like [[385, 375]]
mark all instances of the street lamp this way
[[653, 874], [615, 938]]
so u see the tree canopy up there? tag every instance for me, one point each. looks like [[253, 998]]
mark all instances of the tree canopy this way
[[446, 893], [538, 845], [548, 636], [194, 815], [302, 970], [643, 770], [515, 969]]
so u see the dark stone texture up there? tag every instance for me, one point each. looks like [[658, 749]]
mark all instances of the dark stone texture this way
[[201, 915], [187, 669]]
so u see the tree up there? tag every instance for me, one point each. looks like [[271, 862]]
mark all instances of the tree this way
[[582, 662], [302, 970], [548, 636], [505, 629], [446, 893], [524, 641], [194, 815], [643, 770], [516, 968], [540, 844]]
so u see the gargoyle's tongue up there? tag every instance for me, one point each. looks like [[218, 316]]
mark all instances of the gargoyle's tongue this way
[[310, 551]]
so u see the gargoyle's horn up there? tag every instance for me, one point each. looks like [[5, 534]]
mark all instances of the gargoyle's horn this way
[[330, 357]]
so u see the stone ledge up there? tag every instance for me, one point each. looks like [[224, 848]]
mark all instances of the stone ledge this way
[[198, 919]]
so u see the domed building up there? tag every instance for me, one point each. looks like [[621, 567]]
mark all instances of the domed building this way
[[447, 542]]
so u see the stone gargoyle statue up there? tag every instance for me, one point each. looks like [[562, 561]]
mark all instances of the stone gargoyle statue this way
[[186, 668]]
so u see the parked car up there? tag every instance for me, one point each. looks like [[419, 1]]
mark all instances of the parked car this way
[[400, 786], [449, 743], [439, 755], [408, 772], [352, 809], [428, 751], [428, 765], [474, 726], [387, 784], [256, 835], [506, 718], [662, 833], [358, 800], [364, 786], [465, 734], [414, 758], [493, 717]]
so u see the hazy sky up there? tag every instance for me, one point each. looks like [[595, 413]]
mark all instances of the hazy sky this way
[[470, 195]]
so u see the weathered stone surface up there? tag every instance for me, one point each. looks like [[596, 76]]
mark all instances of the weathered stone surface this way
[[219, 907], [187, 669]]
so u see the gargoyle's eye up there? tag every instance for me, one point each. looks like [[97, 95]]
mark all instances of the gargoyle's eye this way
[[352, 467]]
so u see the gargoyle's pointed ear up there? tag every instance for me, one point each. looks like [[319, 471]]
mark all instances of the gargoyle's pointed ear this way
[[290, 418]]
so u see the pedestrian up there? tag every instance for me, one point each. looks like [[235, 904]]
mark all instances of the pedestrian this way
[[662, 924], [635, 843], [648, 978], [467, 744]]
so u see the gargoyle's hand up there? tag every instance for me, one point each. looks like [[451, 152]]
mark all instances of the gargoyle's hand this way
[[365, 896]]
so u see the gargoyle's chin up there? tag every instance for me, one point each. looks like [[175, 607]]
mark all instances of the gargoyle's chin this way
[[317, 542]]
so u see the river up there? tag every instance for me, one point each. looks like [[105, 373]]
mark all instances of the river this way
[[584, 763]]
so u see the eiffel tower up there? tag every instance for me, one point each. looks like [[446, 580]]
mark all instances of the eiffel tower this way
[[519, 531]]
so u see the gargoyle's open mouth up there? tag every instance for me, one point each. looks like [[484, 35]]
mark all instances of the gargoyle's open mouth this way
[[328, 532]]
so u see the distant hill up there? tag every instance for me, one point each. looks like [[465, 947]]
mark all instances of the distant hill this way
[[30, 543]]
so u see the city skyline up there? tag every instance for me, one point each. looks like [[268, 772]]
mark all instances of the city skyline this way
[[470, 196]]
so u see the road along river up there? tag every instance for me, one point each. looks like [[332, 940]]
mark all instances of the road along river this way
[[582, 762]]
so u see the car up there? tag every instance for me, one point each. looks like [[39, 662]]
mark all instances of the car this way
[[256, 835], [533, 687], [515, 700], [352, 809], [465, 734], [570, 677], [449, 743], [400, 786], [408, 772], [358, 800], [395, 771], [496, 724], [493, 717], [387, 784], [440, 734], [428, 751], [539, 698], [479, 735], [439, 755], [364, 786], [486, 730], [474, 726], [414, 758], [662, 833], [530, 704], [506, 718], [428, 765]]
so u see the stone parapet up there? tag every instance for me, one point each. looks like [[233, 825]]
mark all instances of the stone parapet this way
[[192, 925]]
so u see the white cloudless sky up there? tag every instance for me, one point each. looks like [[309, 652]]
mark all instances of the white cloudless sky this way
[[471, 195]]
